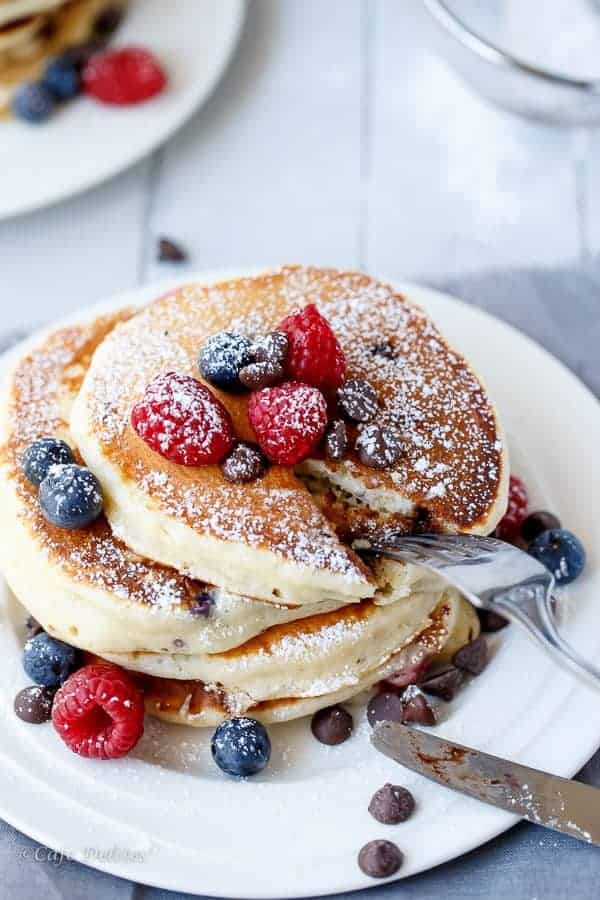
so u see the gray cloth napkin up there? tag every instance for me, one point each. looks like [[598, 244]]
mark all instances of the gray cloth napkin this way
[[561, 310]]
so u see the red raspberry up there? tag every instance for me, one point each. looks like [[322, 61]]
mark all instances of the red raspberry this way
[[314, 354], [182, 420], [123, 77], [509, 526], [289, 421], [99, 712]]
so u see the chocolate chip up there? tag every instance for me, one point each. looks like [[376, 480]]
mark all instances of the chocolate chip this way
[[244, 463], [357, 399], [384, 707], [332, 725], [415, 708], [107, 22], [34, 704], [202, 605], [378, 447], [491, 621], [169, 251], [33, 627], [385, 349], [472, 657], [272, 346], [443, 684], [261, 374], [537, 522], [392, 804], [380, 859], [336, 440]]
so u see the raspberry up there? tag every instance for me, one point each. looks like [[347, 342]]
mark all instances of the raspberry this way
[[289, 421], [509, 526], [314, 355], [182, 420], [99, 712], [123, 77]]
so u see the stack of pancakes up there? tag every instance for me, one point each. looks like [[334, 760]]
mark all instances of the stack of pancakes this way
[[32, 31], [248, 598]]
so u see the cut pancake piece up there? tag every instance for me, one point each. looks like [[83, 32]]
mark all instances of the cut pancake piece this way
[[192, 702], [269, 538]]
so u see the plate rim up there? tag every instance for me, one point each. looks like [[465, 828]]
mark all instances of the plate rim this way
[[502, 822]]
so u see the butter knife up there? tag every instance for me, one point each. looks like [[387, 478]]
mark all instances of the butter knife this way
[[556, 803]]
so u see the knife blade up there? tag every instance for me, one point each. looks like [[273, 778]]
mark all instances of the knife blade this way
[[557, 803]]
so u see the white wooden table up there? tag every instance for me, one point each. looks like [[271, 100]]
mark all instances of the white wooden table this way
[[335, 137]]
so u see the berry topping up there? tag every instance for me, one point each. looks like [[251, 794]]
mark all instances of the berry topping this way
[[244, 463], [443, 684], [536, 522], [33, 102], [314, 355], [357, 399], [561, 552], [261, 374], [510, 525], [379, 447], [123, 77], [182, 420], [380, 859], [289, 421], [473, 657], [222, 357], [169, 251], [34, 704], [70, 496], [99, 712], [415, 708], [491, 621], [271, 347], [41, 455], [49, 662], [384, 707], [241, 746], [392, 804], [62, 78], [332, 725], [336, 440], [202, 606]]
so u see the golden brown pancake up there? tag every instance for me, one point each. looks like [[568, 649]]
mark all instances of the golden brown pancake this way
[[452, 475]]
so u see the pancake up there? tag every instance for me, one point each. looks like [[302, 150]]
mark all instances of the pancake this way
[[30, 40], [196, 703], [88, 588], [270, 538]]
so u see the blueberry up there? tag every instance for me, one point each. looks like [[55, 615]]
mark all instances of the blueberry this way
[[561, 552], [41, 455], [61, 78], [241, 746], [222, 357], [33, 102], [48, 661], [70, 496]]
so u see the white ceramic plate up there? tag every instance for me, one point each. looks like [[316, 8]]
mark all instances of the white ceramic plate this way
[[87, 142], [166, 816]]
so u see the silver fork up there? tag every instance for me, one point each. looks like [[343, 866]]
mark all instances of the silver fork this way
[[493, 575]]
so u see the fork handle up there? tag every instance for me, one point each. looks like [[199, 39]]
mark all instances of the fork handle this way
[[537, 617]]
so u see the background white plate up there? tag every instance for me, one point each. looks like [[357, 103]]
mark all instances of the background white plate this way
[[166, 816], [87, 142]]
